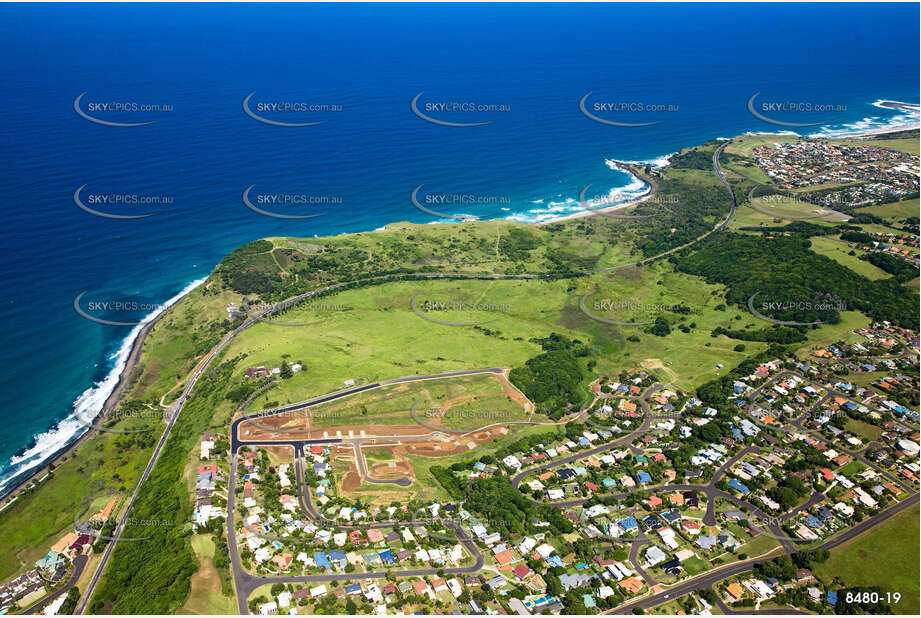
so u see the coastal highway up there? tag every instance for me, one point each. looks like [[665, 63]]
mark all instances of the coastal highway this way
[[176, 407], [719, 173]]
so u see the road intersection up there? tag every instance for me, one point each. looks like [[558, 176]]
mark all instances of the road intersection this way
[[246, 583]]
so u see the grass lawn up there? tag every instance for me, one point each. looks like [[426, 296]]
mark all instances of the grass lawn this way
[[786, 208], [752, 172], [855, 467], [465, 402], [695, 565], [895, 210], [745, 144], [838, 250], [759, 545], [885, 556], [746, 216], [669, 608], [864, 431], [909, 145], [377, 454], [205, 596], [828, 334]]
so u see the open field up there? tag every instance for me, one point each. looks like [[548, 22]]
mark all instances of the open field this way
[[206, 596], [759, 545], [385, 338], [744, 144], [456, 402], [828, 334], [787, 208], [838, 250], [865, 431], [896, 210], [746, 216], [751, 171], [907, 144], [886, 556], [382, 338], [644, 294]]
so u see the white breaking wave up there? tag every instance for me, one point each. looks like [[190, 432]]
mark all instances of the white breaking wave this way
[[870, 123], [657, 162], [875, 124], [879, 103], [785, 132], [88, 405], [557, 209]]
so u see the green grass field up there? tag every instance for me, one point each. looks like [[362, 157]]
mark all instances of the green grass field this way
[[899, 210], [885, 556], [744, 144], [759, 545], [828, 334], [471, 400], [908, 145], [838, 250], [206, 596], [864, 431], [695, 566], [381, 337]]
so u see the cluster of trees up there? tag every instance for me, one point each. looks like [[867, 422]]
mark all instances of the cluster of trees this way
[[715, 392], [250, 269], [152, 576], [693, 159], [70, 602], [789, 491], [554, 378], [900, 269], [869, 600], [784, 568], [660, 327], [504, 508], [699, 207], [856, 236], [798, 284], [801, 229], [517, 243], [771, 334]]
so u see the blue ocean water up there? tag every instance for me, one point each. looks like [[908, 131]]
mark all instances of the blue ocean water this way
[[533, 63]]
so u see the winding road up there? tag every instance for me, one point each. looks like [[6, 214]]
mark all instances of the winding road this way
[[246, 583]]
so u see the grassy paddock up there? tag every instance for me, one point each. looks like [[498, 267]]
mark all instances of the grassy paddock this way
[[885, 556], [838, 250]]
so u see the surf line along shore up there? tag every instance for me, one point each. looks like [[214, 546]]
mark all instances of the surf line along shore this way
[[26, 479], [29, 478]]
